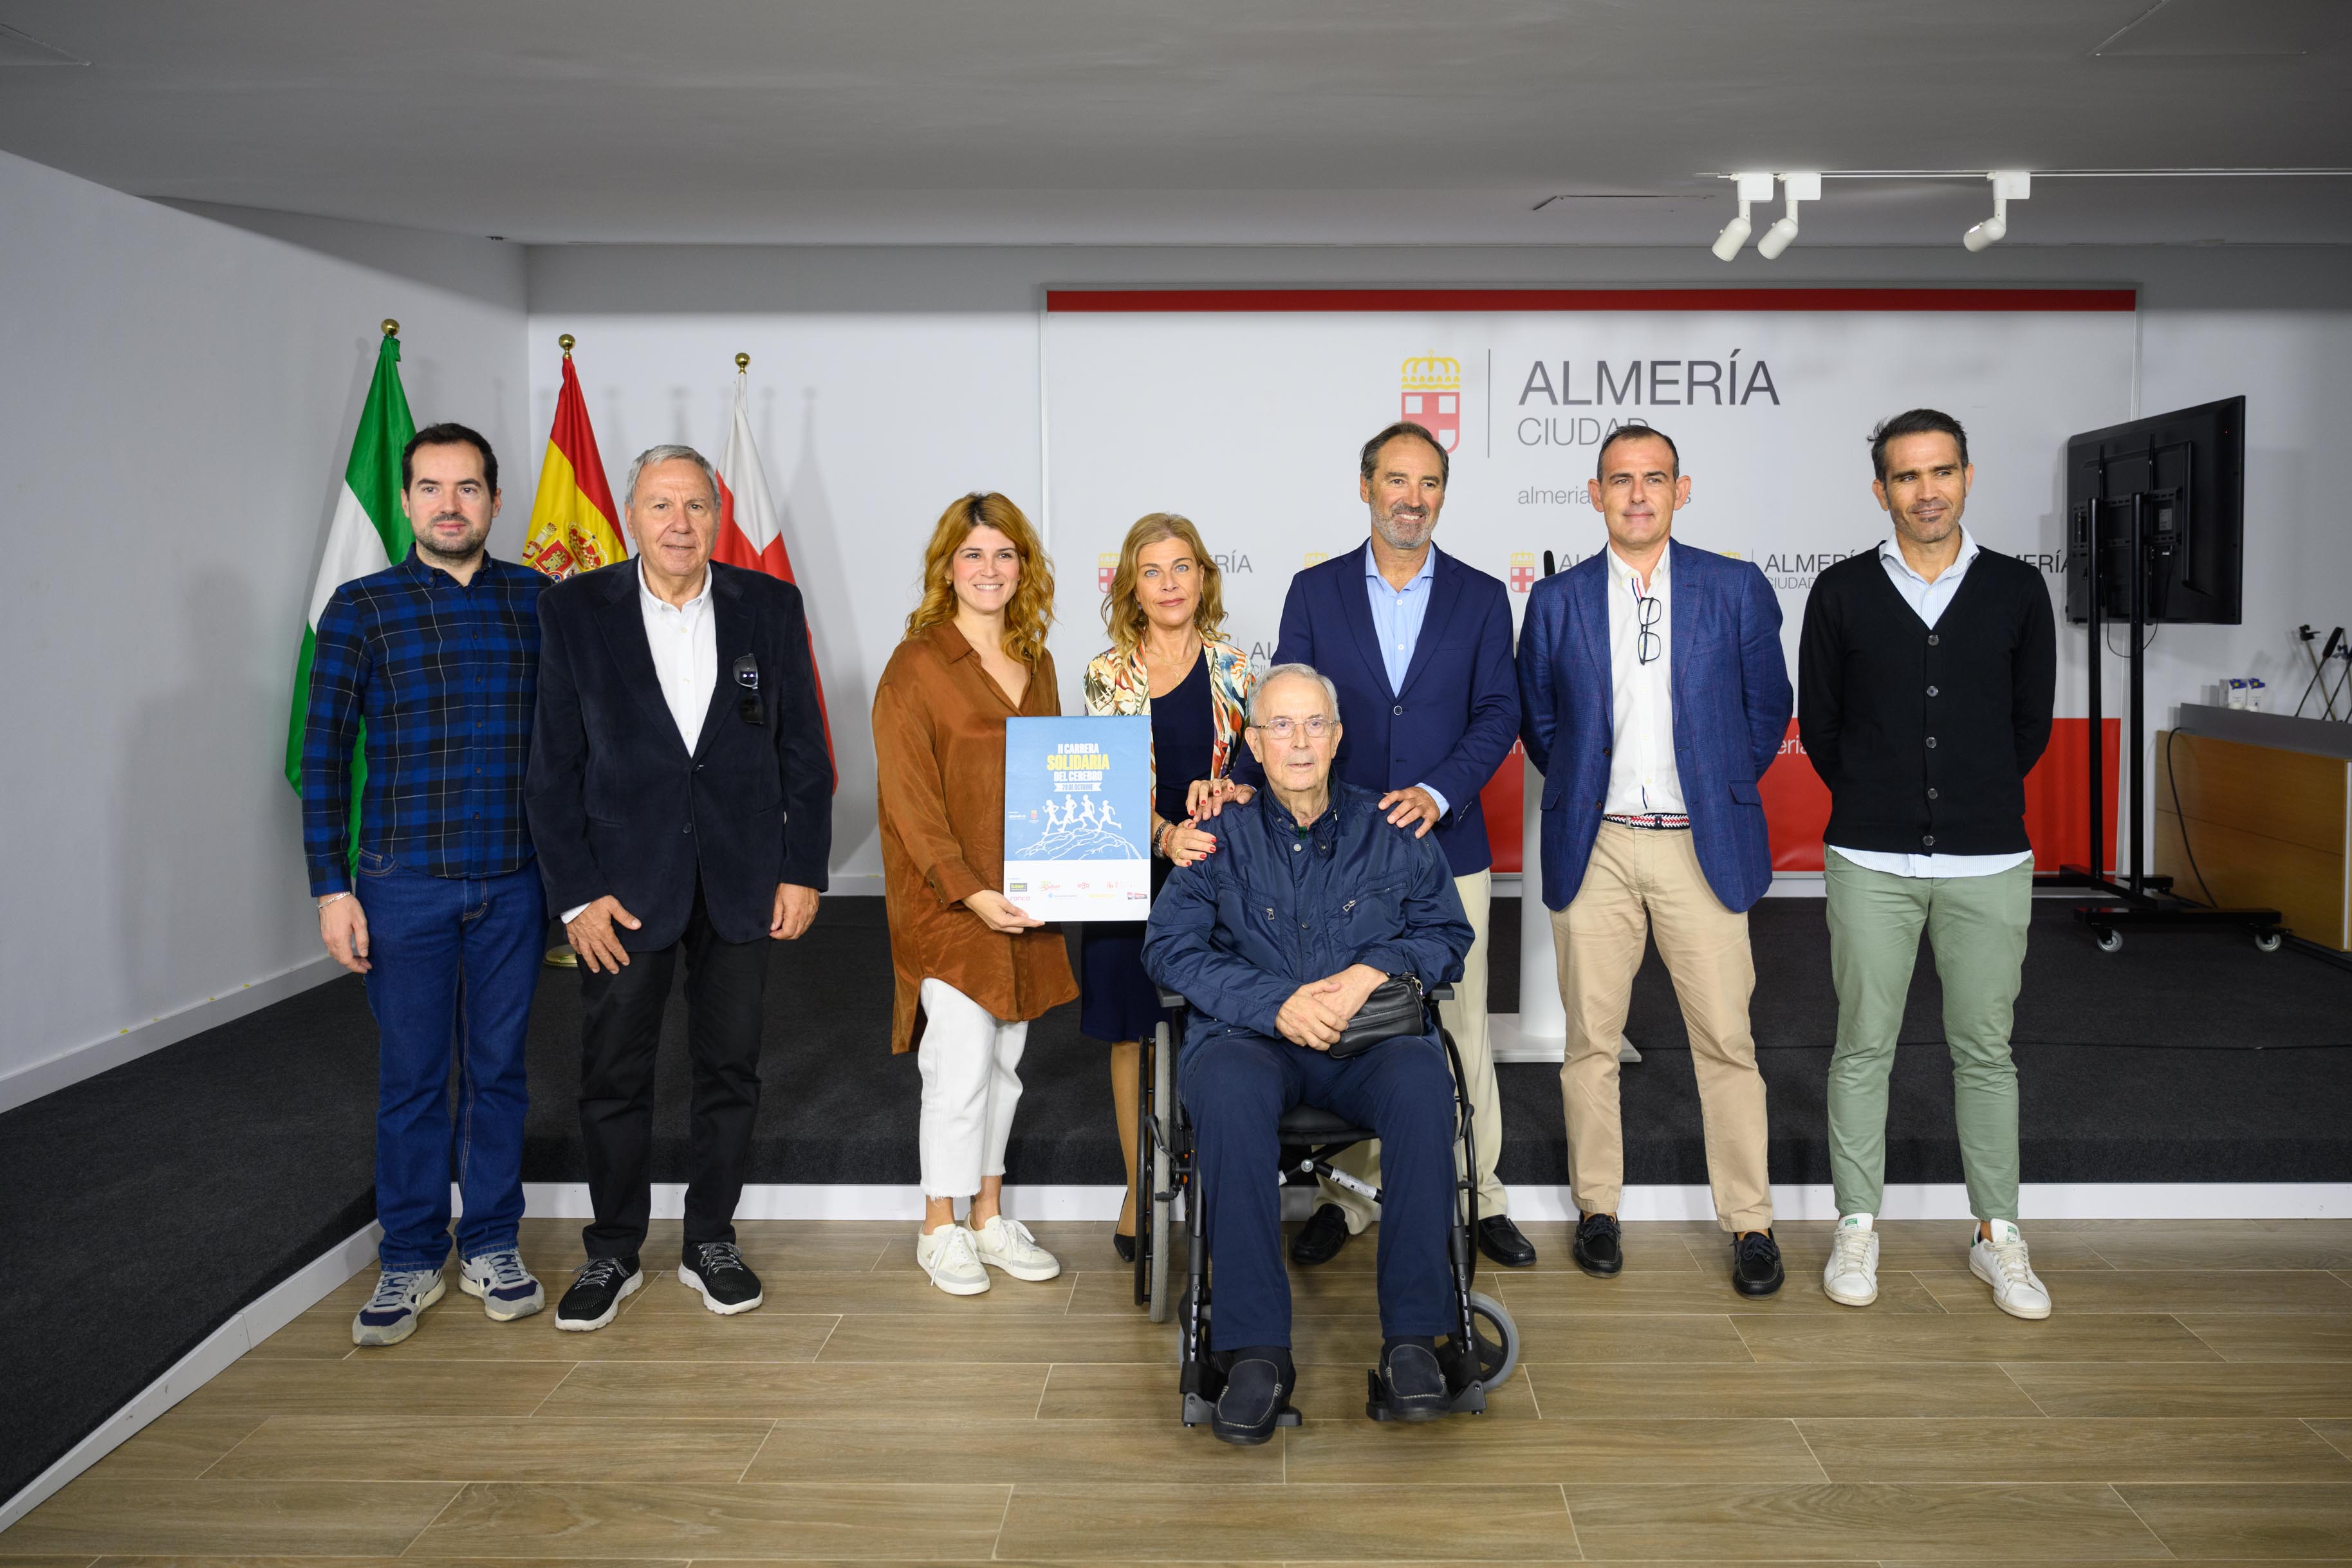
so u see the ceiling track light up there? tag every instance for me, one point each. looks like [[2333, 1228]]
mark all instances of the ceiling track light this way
[[2008, 186], [1753, 187], [1781, 234]]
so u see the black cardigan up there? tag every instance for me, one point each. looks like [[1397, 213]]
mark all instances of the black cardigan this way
[[1924, 736]]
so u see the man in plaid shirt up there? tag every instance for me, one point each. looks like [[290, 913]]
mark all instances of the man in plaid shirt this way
[[438, 657]]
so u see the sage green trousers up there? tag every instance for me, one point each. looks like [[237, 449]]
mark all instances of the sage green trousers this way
[[1976, 928]]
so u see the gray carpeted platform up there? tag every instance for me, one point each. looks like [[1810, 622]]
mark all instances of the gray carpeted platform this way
[[142, 1208]]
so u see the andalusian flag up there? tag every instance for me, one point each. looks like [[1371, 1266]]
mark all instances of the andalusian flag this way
[[369, 533], [749, 531], [572, 522]]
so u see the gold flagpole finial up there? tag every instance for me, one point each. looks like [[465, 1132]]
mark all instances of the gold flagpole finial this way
[[742, 363], [391, 327], [564, 343]]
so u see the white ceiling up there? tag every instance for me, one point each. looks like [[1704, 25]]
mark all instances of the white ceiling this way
[[1241, 121]]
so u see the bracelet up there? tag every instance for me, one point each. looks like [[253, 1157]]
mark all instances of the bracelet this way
[[334, 898], [1160, 840]]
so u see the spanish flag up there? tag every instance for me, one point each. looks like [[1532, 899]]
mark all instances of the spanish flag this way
[[573, 526]]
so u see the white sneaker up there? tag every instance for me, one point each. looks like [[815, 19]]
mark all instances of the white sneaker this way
[[1850, 1277], [947, 1256], [2001, 1263], [1006, 1244]]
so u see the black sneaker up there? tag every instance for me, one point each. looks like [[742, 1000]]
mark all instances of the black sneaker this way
[[1595, 1247], [1413, 1383], [717, 1269], [596, 1295], [1756, 1263], [1255, 1395]]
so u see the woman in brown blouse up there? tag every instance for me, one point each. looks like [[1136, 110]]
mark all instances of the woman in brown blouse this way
[[971, 969]]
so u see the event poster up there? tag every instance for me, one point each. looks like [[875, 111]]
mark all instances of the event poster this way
[[1077, 817]]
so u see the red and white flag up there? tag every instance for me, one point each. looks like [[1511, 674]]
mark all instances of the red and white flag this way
[[747, 534]]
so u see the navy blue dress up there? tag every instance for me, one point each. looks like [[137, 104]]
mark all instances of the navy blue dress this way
[[1119, 999]]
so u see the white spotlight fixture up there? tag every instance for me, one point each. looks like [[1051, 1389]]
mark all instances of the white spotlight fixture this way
[[2008, 186], [1797, 188], [1752, 188]]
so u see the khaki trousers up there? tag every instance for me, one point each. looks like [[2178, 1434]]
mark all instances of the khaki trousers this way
[[1646, 882], [1464, 1018]]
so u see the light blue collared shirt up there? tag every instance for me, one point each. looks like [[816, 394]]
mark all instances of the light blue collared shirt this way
[[1397, 615]]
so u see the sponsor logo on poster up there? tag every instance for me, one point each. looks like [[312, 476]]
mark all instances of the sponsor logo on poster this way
[[1317, 557], [1523, 571], [1235, 561], [1105, 568], [1431, 397]]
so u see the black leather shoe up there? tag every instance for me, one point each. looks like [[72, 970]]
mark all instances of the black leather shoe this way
[[1320, 1239], [1595, 1247], [1501, 1240], [1412, 1384], [1756, 1263], [1253, 1399], [1124, 1246], [717, 1269]]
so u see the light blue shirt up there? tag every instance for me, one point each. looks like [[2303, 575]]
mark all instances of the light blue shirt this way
[[1929, 601], [1397, 615]]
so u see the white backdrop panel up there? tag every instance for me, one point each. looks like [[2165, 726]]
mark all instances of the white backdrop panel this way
[[1249, 422]]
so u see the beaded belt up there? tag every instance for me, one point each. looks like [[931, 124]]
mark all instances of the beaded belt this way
[[1650, 820]]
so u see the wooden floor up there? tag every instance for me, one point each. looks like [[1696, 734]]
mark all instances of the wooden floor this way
[[2191, 1398]]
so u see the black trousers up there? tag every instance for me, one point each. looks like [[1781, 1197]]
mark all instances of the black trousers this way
[[620, 1035]]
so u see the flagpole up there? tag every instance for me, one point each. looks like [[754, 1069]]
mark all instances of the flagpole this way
[[561, 956]]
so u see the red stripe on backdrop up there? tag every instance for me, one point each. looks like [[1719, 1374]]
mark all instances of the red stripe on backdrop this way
[[1115, 301], [1797, 804]]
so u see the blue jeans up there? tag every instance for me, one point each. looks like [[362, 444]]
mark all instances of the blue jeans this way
[[1237, 1085], [454, 964]]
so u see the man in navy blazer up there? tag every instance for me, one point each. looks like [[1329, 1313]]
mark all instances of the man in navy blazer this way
[[680, 795], [1419, 645], [1655, 694]]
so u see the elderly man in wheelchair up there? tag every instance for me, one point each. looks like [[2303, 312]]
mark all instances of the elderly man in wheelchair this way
[[1305, 947]]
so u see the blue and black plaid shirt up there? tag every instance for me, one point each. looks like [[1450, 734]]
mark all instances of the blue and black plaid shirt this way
[[444, 676]]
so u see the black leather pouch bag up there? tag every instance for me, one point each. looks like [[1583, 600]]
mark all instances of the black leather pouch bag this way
[[1394, 1008]]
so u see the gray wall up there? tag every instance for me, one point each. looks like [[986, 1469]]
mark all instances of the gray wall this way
[[176, 397], [177, 387]]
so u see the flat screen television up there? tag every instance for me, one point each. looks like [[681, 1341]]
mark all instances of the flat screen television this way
[[2182, 477]]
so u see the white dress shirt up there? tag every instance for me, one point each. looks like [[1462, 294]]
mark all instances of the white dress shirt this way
[[685, 642], [1929, 601], [1642, 779]]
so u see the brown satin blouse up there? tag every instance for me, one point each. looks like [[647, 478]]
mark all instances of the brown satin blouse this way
[[938, 745]]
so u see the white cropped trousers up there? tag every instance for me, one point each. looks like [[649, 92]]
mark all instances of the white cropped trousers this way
[[969, 1059]]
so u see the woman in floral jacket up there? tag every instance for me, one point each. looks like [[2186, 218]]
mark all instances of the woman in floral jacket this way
[[1167, 661]]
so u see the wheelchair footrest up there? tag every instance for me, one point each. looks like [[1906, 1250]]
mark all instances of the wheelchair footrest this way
[[1198, 1410], [1470, 1400]]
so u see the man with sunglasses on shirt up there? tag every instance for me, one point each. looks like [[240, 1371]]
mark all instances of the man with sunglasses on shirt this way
[[1653, 694]]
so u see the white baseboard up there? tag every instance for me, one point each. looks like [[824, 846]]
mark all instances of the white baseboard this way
[[2038, 1200], [68, 1067], [276, 1307]]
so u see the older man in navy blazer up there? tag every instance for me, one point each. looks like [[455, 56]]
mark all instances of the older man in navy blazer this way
[[1655, 694], [1419, 645]]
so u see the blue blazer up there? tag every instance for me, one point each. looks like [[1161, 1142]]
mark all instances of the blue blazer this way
[[1452, 725], [1732, 704]]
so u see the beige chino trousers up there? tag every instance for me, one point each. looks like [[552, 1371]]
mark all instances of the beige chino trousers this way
[[1464, 1018], [1642, 883]]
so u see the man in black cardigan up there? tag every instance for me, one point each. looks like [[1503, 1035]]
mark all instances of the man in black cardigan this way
[[1926, 675]]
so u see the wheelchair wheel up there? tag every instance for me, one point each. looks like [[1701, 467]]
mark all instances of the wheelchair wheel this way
[[1498, 1337], [1152, 1153]]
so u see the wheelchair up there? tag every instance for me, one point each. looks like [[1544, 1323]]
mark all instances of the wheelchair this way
[[1310, 1137]]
